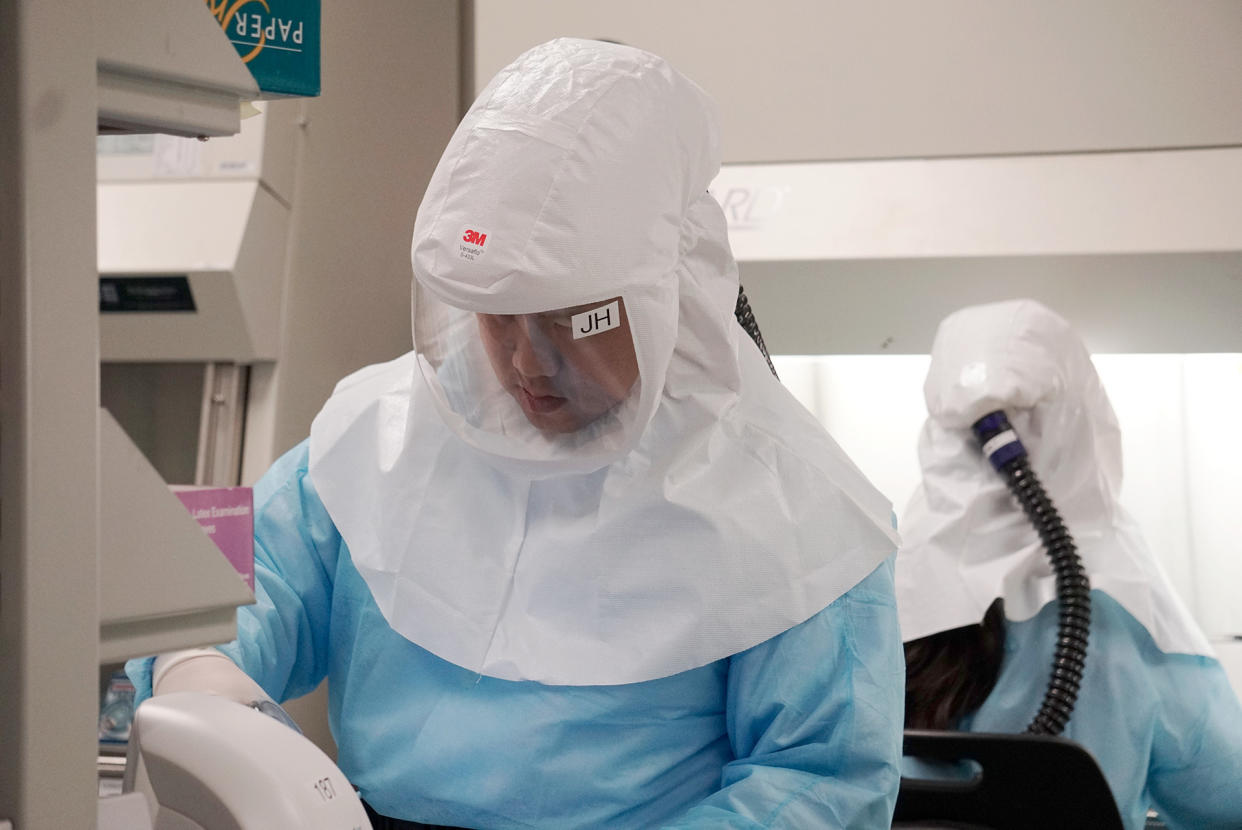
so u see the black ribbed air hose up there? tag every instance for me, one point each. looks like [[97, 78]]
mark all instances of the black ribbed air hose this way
[[747, 318], [1003, 448]]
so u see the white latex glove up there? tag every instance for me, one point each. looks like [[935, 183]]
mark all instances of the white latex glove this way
[[207, 670]]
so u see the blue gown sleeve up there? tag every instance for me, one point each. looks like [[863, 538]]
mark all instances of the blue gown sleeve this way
[[815, 720], [138, 670], [282, 640], [1195, 777]]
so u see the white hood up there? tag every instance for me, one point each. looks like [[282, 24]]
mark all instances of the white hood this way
[[718, 515], [585, 167], [965, 540]]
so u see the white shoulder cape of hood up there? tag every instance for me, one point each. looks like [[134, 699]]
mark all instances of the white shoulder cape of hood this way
[[673, 557]]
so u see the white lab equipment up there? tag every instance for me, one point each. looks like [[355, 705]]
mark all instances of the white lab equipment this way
[[206, 762], [129, 811]]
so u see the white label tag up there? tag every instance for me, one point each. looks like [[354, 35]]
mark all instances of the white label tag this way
[[596, 320], [472, 243], [997, 441]]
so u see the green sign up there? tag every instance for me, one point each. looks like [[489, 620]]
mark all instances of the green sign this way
[[278, 40]]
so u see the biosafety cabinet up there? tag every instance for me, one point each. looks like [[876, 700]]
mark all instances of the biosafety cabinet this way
[[191, 242], [850, 266], [85, 516], [98, 561]]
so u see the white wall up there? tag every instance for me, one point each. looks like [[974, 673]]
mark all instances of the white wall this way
[[369, 144], [803, 80]]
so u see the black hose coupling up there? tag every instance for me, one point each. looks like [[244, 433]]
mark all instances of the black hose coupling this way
[[999, 442]]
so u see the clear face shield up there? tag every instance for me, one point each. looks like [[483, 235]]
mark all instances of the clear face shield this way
[[565, 368], [536, 384]]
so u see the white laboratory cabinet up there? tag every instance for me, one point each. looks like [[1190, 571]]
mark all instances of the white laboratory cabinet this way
[[192, 239], [191, 234], [87, 520], [290, 240], [70, 69]]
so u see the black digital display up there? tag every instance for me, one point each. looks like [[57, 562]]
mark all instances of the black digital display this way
[[161, 293]]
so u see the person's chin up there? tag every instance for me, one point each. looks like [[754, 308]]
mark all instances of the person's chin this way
[[559, 426]]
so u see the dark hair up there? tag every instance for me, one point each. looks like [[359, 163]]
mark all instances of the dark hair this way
[[949, 674]]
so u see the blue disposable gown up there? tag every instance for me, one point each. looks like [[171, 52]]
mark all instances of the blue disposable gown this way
[[1166, 729], [801, 731]]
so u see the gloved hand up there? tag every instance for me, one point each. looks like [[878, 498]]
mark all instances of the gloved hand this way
[[207, 670]]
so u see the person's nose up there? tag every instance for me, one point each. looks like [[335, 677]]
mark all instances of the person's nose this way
[[533, 354]]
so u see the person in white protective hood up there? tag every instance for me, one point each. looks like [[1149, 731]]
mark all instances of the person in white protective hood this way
[[579, 560], [976, 593]]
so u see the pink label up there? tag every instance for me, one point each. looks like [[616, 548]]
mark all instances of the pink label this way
[[227, 517]]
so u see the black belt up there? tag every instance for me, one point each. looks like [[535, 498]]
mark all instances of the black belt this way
[[379, 822]]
